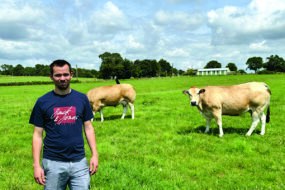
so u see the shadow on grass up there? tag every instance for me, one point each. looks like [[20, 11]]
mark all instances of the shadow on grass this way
[[215, 130]]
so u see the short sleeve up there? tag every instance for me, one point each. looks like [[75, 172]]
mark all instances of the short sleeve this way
[[36, 117], [88, 114]]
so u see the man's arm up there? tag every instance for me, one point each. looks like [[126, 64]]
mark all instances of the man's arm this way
[[90, 135], [37, 148]]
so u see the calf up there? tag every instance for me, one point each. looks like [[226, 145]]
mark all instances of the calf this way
[[112, 95], [215, 101]]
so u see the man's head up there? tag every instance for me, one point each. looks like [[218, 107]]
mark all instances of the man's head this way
[[59, 63], [60, 73]]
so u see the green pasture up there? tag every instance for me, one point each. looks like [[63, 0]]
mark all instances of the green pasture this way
[[164, 147]]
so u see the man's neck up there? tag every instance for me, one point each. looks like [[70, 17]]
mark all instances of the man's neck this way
[[62, 92]]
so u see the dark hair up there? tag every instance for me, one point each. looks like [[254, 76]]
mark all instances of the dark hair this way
[[60, 63]]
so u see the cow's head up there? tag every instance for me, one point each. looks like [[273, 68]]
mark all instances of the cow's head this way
[[194, 95]]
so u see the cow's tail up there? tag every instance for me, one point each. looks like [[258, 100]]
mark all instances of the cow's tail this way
[[268, 114], [117, 80]]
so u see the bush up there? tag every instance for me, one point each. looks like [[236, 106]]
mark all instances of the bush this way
[[265, 72]]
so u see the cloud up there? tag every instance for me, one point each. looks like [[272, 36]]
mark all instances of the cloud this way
[[177, 52], [259, 47], [109, 20], [261, 19], [178, 20], [20, 23], [133, 44]]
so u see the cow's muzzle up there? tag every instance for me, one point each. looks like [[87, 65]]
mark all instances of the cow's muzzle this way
[[193, 103]]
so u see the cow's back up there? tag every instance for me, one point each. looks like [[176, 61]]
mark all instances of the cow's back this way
[[236, 99], [111, 95], [102, 93]]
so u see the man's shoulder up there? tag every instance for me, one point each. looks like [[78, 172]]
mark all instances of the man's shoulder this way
[[77, 93], [46, 95]]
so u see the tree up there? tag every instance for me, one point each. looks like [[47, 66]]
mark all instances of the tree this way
[[18, 70], [7, 69], [181, 72], [29, 71], [232, 66], [241, 71], [128, 67], [155, 68], [275, 63], [114, 65], [190, 72], [111, 66], [174, 71], [42, 70], [254, 63], [145, 67], [165, 67], [213, 64]]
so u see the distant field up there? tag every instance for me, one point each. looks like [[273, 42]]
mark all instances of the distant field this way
[[164, 147]]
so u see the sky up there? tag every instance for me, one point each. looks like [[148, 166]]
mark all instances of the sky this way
[[186, 33]]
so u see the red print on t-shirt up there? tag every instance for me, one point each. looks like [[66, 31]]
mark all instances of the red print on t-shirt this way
[[64, 115]]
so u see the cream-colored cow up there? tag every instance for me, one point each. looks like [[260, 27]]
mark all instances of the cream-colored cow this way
[[112, 95], [215, 101]]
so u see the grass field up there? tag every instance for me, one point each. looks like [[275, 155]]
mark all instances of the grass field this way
[[164, 147]]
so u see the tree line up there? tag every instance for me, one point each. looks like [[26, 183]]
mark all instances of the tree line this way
[[113, 65], [273, 64], [41, 70]]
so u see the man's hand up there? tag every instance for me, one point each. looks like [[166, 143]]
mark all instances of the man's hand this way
[[39, 175], [93, 165]]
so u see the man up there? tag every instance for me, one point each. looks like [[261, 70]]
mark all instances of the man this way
[[61, 113]]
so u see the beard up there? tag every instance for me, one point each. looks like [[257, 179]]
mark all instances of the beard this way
[[63, 87]]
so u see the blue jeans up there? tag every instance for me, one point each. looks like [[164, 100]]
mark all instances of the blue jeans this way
[[58, 175]]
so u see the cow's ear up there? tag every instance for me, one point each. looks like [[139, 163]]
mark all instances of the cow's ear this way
[[202, 91], [185, 92]]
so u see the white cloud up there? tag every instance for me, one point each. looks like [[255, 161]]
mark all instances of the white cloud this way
[[131, 43], [262, 19], [20, 23], [177, 52], [179, 20], [109, 20], [259, 47]]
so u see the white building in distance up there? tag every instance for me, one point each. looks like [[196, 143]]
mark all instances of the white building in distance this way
[[214, 71]]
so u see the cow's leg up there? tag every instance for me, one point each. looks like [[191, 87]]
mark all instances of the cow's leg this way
[[101, 113], [263, 120], [218, 118], [132, 107], [125, 104], [125, 111], [208, 125], [219, 122], [255, 121]]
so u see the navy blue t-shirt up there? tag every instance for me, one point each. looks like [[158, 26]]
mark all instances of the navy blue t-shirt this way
[[62, 117]]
